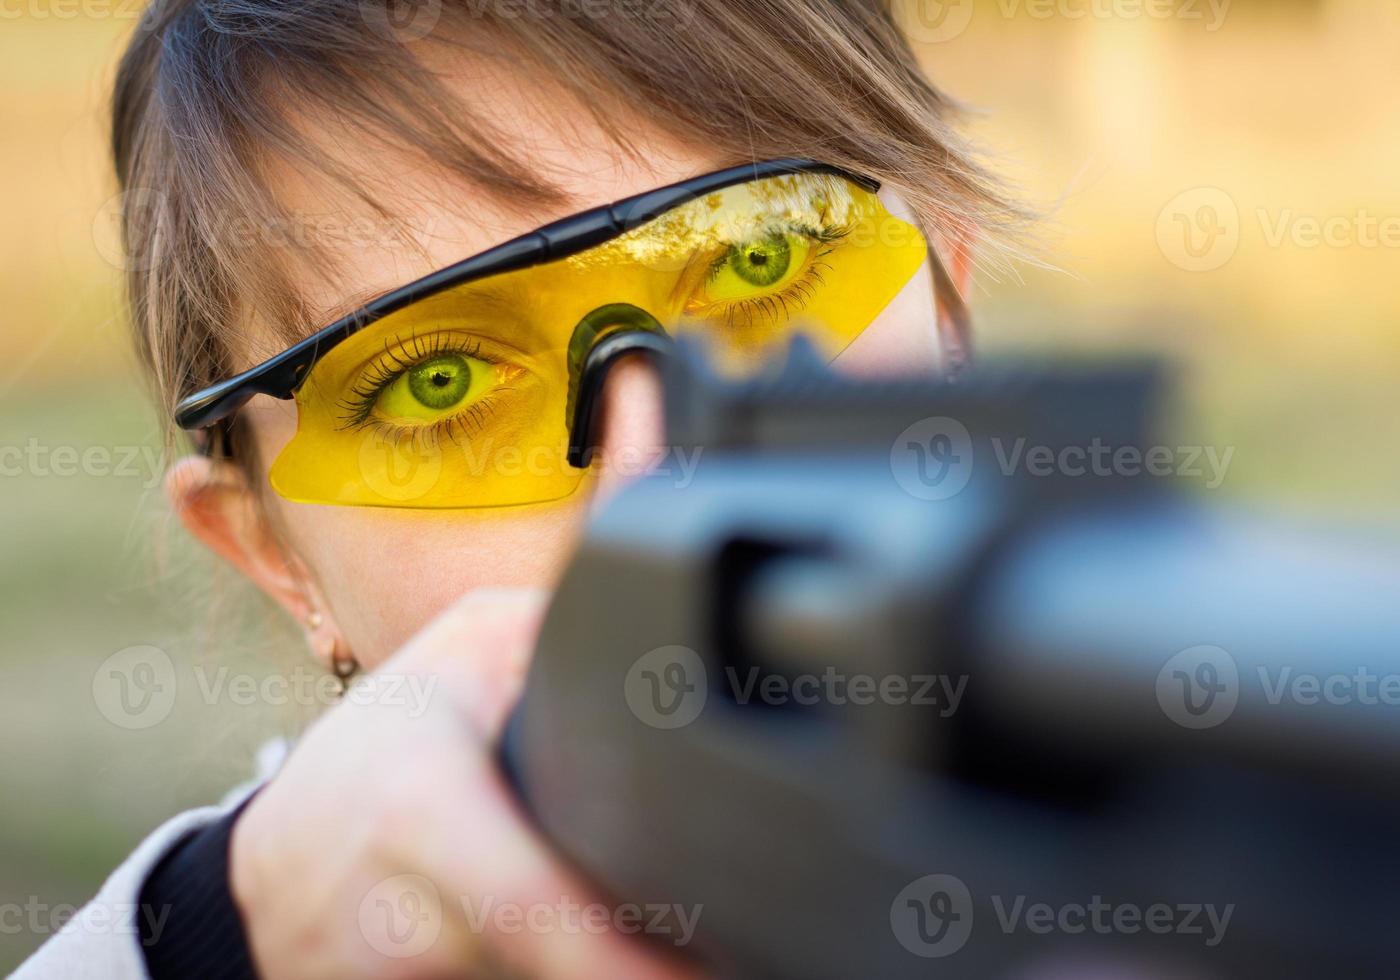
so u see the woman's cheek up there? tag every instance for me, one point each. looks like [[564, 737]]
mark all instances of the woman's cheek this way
[[386, 573], [903, 339]]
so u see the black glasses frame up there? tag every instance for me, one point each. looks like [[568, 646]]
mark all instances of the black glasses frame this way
[[281, 375]]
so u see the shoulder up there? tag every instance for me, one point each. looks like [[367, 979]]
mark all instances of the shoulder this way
[[104, 938]]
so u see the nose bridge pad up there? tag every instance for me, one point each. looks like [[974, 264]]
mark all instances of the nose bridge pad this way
[[603, 337]]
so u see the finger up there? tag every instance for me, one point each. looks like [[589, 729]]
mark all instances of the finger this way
[[491, 858], [632, 431], [539, 918], [479, 650]]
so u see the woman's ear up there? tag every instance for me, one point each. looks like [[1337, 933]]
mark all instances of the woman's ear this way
[[215, 503], [959, 254]]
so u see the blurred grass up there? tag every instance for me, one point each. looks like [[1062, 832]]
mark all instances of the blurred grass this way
[[81, 581], [1290, 354]]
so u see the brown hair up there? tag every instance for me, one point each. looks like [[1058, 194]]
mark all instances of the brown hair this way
[[210, 90]]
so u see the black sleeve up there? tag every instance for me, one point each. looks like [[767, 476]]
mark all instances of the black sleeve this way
[[189, 923]]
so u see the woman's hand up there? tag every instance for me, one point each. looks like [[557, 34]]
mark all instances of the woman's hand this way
[[388, 845]]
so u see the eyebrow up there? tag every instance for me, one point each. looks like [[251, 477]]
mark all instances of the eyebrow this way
[[357, 300], [482, 300], [347, 304], [343, 307]]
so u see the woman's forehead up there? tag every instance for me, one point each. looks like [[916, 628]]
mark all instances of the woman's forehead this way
[[402, 217]]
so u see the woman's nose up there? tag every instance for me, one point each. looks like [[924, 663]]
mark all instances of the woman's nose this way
[[632, 425]]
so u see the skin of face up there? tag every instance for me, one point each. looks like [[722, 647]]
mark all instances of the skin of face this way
[[362, 580]]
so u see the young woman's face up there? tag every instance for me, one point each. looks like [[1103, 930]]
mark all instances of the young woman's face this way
[[380, 574]]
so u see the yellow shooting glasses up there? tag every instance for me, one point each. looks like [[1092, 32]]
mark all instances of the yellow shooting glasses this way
[[476, 386]]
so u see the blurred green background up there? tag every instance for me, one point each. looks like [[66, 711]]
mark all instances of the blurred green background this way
[[1219, 183]]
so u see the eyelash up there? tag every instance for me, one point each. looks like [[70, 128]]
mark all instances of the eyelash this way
[[797, 294], [401, 354]]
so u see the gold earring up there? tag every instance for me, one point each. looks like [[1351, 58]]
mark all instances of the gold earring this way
[[344, 668], [314, 620]]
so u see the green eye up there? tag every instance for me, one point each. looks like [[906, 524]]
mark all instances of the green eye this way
[[764, 262], [441, 382], [442, 385], [758, 268]]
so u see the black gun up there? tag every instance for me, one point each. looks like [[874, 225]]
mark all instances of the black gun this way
[[871, 695]]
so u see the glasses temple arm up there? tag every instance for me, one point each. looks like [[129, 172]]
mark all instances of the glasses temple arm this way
[[955, 321]]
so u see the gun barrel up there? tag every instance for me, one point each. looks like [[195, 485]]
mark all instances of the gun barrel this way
[[1193, 631]]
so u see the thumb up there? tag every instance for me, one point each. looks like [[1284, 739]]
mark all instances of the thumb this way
[[478, 651]]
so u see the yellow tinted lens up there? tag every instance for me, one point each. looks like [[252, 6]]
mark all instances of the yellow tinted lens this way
[[813, 253], [459, 400]]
